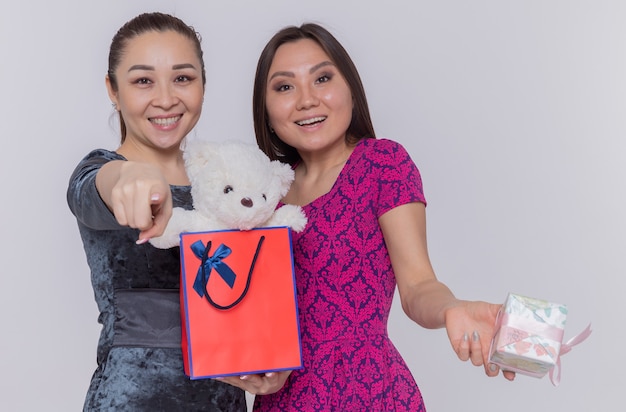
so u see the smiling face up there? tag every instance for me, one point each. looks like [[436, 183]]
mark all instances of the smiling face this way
[[308, 101], [159, 89]]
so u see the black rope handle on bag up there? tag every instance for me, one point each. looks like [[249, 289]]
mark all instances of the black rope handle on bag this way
[[216, 305]]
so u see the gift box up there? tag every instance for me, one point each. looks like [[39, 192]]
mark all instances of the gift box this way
[[238, 303], [529, 335]]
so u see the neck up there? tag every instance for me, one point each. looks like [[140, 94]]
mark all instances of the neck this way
[[315, 164]]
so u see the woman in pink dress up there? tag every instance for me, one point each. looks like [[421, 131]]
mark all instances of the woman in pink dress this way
[[366, 235]]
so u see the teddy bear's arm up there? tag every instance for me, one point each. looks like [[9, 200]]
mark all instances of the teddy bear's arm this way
[[289, 215]]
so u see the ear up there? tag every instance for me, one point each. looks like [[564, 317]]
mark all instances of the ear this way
[[285, 175], [112, 93], [197, 155]]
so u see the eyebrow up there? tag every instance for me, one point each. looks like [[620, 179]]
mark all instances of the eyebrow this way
[[151, 68], [311, 70]]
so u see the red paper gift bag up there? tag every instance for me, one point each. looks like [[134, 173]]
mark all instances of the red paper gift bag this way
[[238, 303]]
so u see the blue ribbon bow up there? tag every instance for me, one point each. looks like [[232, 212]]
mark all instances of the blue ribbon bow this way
[[212, 262]]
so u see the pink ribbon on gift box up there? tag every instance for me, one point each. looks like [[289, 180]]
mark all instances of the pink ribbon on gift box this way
[[530, 327], [566, 347]]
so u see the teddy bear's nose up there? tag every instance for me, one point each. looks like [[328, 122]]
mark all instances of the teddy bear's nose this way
[[247, 202]]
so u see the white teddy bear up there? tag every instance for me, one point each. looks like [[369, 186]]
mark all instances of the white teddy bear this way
[[234, 185]]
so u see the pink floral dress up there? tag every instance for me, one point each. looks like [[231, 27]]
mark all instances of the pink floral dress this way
[[345, 286]]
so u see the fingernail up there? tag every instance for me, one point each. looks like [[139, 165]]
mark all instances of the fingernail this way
[[141, 241], [243, 377], [155, 197], [465, 337], [269, 374], [493, 367], [475, 336]]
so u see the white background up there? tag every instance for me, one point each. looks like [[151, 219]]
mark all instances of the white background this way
[[514, 112]]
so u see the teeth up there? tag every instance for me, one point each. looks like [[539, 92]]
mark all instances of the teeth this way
[[165, 121], [310, 121]]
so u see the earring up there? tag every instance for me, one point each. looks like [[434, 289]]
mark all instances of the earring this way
[[114, 106]]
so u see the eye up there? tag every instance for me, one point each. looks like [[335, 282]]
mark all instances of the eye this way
[[143, 81], [282, 87], [324, 78], [183, 78], [228, 189], [264, 197]]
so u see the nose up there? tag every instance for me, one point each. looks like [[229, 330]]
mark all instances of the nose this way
[[307, 98], [165, 96], [247, 202]]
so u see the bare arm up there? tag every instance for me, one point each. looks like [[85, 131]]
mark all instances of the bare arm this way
[[426, 300], [137, 194]]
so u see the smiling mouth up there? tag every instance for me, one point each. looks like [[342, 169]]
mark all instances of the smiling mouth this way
[[311, 121], [165, 121]]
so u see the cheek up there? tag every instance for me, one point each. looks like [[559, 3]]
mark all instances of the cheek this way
[[339, 99], [130, 108], [348, 101], [196, 99], [277, 111], [342, 104]]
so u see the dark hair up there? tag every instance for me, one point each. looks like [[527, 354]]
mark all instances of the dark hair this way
[[139, 25], [361, 123]]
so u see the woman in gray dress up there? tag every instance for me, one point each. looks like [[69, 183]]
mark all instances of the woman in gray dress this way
[[121, 199]]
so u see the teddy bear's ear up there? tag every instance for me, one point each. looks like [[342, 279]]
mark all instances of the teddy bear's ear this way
[[285, 175], [197, 155]]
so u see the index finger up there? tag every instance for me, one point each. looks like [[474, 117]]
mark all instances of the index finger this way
[[161, 214]]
